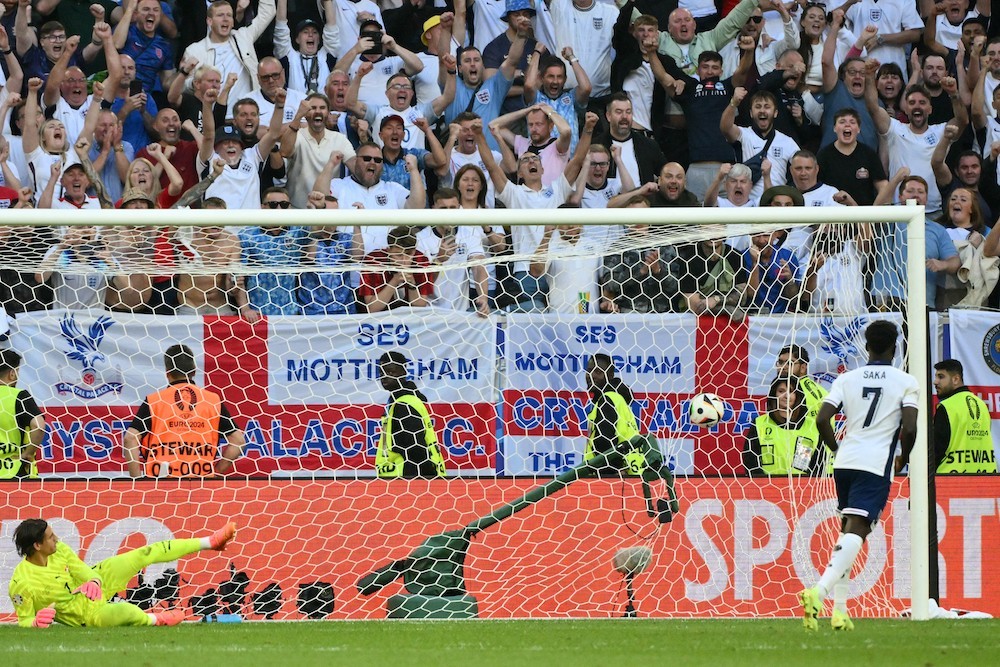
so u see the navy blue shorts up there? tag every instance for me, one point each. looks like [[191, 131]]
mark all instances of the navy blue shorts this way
[[861, 493]]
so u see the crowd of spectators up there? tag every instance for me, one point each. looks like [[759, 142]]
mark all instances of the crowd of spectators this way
[[473, 104]]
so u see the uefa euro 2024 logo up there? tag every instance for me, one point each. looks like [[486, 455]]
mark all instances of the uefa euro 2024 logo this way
[[97, 376]]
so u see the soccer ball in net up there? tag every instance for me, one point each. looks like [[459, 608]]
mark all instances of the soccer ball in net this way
[[706, 410]]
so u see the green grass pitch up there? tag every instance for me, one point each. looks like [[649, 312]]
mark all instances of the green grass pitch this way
[[552, 643]]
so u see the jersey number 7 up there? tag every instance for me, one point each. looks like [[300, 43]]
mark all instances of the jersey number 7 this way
[[873, 394]]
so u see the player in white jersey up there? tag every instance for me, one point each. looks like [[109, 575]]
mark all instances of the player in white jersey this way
[[880, 406]]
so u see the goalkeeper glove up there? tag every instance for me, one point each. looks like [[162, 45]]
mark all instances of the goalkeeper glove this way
[[92, 589], [44, 617]]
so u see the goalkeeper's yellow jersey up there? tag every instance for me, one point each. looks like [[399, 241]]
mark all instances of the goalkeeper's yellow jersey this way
[[33, 588]]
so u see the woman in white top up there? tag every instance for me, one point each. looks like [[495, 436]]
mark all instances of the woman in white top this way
[[45, 143], [813, 24], [471, 183], [835, 277], [963, 219]]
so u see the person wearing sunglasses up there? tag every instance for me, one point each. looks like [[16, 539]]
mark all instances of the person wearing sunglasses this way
[[366, 189], [271, 75], [269, 248], [767, 47], [372, 48]]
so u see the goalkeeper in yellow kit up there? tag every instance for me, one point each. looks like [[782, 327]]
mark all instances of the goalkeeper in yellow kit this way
[[52, 584]]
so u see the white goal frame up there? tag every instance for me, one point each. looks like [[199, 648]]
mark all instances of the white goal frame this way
[[916, 317]]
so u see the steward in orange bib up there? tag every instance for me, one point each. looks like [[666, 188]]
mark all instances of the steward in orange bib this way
[[176, 431]]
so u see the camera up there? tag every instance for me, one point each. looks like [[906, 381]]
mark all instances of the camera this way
[[375, 36]]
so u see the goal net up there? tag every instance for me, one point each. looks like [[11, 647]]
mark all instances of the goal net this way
[[341, 508]]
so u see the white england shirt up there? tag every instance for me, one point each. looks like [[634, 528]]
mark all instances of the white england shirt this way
[[779, 153], [451, 286], [293, 98], [872, 398], [913, 151]]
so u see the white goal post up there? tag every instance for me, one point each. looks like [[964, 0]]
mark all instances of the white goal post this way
[[752, 219]]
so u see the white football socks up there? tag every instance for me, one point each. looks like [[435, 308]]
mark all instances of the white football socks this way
[[840, 591], [844, 553]]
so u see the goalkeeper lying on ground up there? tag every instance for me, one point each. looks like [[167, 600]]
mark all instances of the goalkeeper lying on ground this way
[[53, 584]]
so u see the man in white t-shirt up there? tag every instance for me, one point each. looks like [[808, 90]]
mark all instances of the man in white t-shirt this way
[[67, 100], [239, 184], [78, 266], [599, 189], [946, 21], [447, 245], [805, 176], [487, 21], [529, 193], [399, 92], [372, 47], [309, 64], [351, 14], [365, 189], [761, 133], [880, 403], [66, 87], [587, 27], [898, 24], [271, 75], [912, 144], [69, 192], [568, 265], [736, 180]]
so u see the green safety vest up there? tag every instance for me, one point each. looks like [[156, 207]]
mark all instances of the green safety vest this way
[[626, 428], [971, 448], [12, 438], [814, 398], [777, 444], [388, 463]]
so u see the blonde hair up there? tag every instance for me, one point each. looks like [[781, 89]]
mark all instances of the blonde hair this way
[[41, 134], [154, 190]]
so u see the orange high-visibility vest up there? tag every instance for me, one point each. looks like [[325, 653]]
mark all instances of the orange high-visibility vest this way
[[183, 437]]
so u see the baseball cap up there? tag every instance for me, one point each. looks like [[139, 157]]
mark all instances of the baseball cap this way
[[8, 197], [307, 23], [391, 117], [227, 132], [518, 5], [428, 24], [137, 194]]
